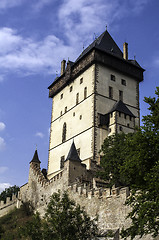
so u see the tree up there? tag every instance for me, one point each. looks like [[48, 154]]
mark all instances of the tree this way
[[8, 192], [64, 220], [32, 229], [133, 160]]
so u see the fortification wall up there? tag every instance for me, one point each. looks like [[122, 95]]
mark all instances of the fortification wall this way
[[9, 205], [108, 204]]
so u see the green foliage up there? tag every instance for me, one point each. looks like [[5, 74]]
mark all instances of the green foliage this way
[[32, 229], [133, 160], [12, 222], [64, 220], [8, 192]]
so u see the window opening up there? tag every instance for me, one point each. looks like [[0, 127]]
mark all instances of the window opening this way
[[64, 132], [121, 95], [77, 98], [62, 161], [112, 77], [85, 92], [110, 92], [123, 82]]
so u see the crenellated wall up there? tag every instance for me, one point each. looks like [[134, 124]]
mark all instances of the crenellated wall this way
[[9, 205], [87, 191]]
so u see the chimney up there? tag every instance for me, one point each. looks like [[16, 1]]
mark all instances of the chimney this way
[[125, 51], [63, 63]]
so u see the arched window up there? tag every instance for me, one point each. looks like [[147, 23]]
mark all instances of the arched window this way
[[85, 92], [64, 132]]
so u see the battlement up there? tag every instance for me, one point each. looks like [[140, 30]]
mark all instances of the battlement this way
[[103, 193], [9, 205]]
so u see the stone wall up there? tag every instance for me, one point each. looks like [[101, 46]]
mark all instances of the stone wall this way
[[9, 205], [91, 193]]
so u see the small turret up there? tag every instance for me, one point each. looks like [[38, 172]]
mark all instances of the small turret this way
[[35, 160]]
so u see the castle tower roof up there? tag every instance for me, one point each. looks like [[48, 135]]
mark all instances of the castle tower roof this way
[[73, 154], [35, 158], [121, 107], [104, 43]]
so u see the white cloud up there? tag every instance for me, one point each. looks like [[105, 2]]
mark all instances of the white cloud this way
[[39, 134], [2, 126], [10, 3], [79, 20], [156, 62], [1, 78], [82, 18], [138, 5], [2, 144], [40, 4], [18, 53], [3, 169], [3, 186]]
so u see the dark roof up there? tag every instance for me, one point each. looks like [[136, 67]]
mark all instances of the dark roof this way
[[104, 43], [135, 63], [35, 157], [70, 62], [121, 107], [73, 155]]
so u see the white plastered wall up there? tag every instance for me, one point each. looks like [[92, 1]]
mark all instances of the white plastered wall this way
[[104, 103], [78, 119]]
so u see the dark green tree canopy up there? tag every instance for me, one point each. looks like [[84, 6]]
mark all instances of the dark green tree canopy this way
[[8, 192]]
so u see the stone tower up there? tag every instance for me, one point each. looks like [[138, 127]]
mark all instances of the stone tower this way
[[95, 97]]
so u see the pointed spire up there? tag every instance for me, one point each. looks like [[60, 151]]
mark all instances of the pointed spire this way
[[73, 154], [35, 158]]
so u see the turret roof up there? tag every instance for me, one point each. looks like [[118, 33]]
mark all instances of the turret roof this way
[[35, 157], [121, 107], [73, 154]]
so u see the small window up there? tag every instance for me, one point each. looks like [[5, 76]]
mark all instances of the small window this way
[[112, 77], [120, 128], [73, 114], [123, 82], [121, 95], [85, 92], [110, 92], [128, 125], [130, 118], [80, 117], [119, 114], [61, 96], [65, 109], [125, 116], [62, 161], [71, 89], [81, 80], [78, 151], [64, 132], [77, 98]]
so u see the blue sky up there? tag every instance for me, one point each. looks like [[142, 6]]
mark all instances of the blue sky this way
[[35, 35]]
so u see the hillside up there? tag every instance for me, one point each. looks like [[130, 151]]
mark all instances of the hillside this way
[[11, 223]]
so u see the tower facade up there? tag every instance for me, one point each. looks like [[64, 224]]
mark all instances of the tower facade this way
[[95, 97]]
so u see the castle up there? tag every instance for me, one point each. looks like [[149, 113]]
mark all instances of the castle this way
[[93, 98]]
